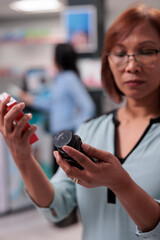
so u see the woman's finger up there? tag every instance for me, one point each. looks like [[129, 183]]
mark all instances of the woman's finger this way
[[9, 118], [28, 133], [3, 107], [20, 125], [96, 153], [81, 158], [70, 171]]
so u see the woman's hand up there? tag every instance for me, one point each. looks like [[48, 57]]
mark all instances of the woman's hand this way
[[106, 171], [16, 139], [37, 184]]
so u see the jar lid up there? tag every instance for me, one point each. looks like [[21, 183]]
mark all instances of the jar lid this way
[[64, 137]]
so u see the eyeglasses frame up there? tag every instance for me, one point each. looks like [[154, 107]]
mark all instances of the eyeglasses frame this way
[[133, 55]]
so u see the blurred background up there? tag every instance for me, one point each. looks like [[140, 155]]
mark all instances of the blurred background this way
[[29, 30]]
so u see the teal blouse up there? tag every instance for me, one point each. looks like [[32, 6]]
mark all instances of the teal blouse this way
[[102, 219]]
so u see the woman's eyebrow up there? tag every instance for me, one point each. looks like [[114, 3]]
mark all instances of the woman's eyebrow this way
[[138, 45], [148, 41]]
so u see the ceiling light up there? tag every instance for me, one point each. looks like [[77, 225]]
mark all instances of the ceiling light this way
[[37, 6]]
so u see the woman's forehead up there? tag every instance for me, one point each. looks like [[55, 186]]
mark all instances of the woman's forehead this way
[[141, 34]]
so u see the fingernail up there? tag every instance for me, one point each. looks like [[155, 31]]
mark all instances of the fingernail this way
[[35, 127], [85, 146], [66, 149], [29, 115], [55, 154], [22, 104]]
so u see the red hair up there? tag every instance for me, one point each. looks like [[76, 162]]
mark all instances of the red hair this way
[[119, 30]]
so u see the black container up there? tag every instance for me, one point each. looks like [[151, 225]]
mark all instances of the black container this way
[[67, 137]]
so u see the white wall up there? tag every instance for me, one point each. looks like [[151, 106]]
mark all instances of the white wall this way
[[115, 7]]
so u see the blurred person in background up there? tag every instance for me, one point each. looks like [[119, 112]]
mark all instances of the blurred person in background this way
[[118, 195], [69, 104]]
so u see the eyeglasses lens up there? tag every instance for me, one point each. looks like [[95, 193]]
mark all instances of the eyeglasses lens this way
[[144, 60]]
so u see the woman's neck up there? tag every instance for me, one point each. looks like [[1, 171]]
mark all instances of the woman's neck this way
[[145, 108]]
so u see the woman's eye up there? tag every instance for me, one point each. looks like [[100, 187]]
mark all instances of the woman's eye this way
[[147, 52], [120, 54]]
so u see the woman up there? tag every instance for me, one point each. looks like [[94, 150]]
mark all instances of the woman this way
[[118, 191]]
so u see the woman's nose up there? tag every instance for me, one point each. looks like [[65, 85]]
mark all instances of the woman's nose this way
[[132, 65]]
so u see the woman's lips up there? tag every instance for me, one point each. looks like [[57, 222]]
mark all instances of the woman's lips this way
[[134, 82]]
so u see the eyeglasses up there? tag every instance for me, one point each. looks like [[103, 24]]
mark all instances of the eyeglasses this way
[[144, 58]]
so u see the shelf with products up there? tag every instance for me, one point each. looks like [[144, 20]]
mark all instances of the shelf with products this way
[[38, 40], [32, 31]]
